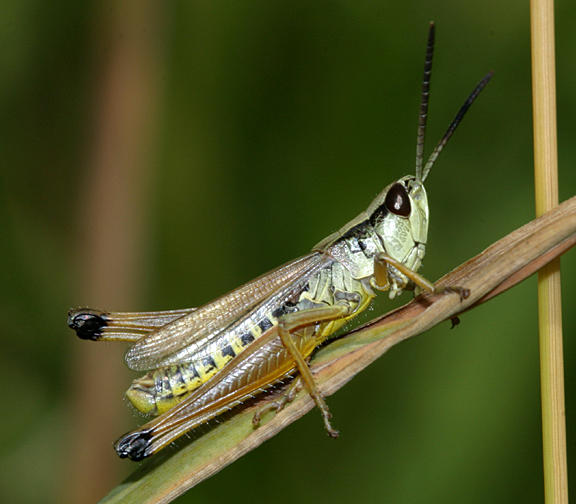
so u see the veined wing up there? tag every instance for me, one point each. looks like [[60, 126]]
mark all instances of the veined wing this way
[[181, 339]]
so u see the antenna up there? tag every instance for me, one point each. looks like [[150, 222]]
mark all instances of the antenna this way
[[423, 116], [454, 124]]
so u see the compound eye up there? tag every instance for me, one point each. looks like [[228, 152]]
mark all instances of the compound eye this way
[[397, 200]]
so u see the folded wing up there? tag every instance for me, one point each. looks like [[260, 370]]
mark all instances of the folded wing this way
[[179, 340]]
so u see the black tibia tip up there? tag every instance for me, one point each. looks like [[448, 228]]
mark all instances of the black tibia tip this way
[[134, 445], [88, 324]]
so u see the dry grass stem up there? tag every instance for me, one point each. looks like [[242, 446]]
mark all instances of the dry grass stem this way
[[549, 294]]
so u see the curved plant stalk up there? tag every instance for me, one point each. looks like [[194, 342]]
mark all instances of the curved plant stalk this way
[[499, 267]]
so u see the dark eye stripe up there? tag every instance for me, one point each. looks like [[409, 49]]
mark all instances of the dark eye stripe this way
[[397, 201]]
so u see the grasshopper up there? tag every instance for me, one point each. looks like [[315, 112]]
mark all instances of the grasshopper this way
[[201, 362]]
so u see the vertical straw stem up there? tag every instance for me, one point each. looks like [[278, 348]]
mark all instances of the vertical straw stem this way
[[549, 298]]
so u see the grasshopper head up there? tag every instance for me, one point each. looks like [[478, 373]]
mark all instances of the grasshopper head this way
[[399, 215]]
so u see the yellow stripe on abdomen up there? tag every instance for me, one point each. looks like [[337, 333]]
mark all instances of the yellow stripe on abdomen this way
[[160, 390]]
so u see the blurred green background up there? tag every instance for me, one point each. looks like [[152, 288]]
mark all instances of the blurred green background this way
[[270, 125]]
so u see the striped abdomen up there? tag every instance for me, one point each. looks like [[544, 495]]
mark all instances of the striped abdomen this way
[[161, 389]]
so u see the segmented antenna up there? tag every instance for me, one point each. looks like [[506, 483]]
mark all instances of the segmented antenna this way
[[454, 124], [423, 116]]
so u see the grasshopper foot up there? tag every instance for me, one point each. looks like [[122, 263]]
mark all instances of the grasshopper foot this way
[[279, 404], [332, 432], [463, 292]]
